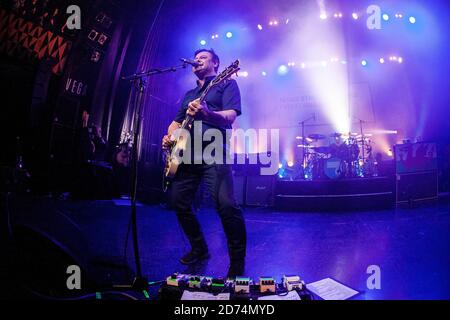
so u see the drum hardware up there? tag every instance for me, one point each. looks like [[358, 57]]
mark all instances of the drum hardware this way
[[347, 155]]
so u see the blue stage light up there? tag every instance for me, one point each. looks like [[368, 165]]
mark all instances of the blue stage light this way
[[364, 63], [385, 17], [202, 42], [282, 70], [229, 35], [412, 20]]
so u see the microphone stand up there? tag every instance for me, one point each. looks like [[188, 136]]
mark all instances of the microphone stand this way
[[139, 282], [302, 123]]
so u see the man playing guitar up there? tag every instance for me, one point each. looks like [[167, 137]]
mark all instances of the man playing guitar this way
[[219, 110]]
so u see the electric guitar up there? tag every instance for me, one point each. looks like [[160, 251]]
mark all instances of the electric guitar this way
[[172, 155]]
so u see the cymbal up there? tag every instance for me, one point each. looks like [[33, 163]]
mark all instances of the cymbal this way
[[336, 135], [317, 136]]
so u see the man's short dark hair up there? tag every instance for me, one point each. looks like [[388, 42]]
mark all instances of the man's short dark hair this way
[[215, 57]]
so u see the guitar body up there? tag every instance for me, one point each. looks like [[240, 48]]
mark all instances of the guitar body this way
[[173, 159], [175, 154]]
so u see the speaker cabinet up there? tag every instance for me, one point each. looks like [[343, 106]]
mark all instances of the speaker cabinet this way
[[417, 186], [259, 191]]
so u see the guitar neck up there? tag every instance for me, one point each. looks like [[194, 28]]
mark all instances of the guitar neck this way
[[188, 119]]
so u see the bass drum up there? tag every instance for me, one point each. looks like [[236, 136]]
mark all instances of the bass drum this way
[[334, 168]]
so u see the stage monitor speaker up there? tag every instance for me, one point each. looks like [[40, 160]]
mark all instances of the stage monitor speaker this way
[[417, 186], [259, 191]]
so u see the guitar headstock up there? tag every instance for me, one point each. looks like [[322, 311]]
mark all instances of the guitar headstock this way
[[227, 73]]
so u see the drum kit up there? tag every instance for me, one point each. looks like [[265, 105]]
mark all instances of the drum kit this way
[[337, 156]]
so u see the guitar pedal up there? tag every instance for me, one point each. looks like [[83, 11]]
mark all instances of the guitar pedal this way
[[293, 282], [177, 280], [267, 284], [242, 285]]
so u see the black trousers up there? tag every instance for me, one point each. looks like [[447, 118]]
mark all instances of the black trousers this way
[[219, 181]]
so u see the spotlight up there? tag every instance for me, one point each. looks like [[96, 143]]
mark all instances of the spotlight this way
[[229, 35], [282, 70], [400, 60], [303, 65], [340, 15], [264, 73], [290, 163], [385, 17], [202, 42], [381, 60], [287, 21], [323, 16], [260, 27], [275, 22], [355, 15], [243, 74], [280, 165], [412, 20], [364, 63], [271, 23]]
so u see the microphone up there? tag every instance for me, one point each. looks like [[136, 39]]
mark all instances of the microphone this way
[[192, 63]]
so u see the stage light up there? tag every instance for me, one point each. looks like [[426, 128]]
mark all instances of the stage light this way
[[264, 73], [385, 17], [202, 42], [323, 16], [303, 65], [412, 20], [287, 21], [290, 163], [355, 16], [260, 27], [282, 70], [389, 153], [364, 63], [381, 60], [280, 165], [275, 22], [340, 15], [243, 74], [400, 60], [270, 23], [229, 35]]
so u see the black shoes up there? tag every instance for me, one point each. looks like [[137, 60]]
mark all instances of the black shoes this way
[[194, 256], [236, 269]]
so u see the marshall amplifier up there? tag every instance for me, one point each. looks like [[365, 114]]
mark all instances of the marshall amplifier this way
[[259, 191]]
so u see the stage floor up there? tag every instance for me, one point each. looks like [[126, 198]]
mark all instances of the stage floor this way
[[411, 246]]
